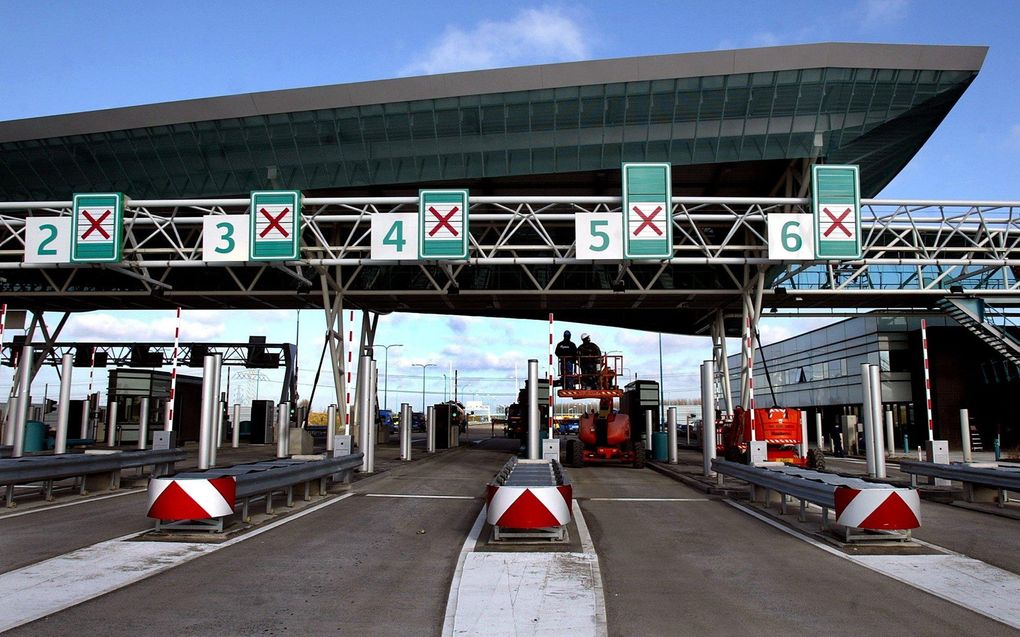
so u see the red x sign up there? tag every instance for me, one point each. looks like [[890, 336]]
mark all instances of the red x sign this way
[[274, 222], [646, 220], [443, 221], [94, 224], [837, 222]]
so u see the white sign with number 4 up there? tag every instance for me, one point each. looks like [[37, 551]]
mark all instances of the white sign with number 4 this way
[[395, 236], [599, 235], [791, 237]]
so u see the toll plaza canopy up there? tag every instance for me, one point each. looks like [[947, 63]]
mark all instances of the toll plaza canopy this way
[[533, 146]]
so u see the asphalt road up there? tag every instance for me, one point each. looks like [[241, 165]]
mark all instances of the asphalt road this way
[[373, 564]]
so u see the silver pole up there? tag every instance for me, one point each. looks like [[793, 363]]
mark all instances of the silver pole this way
[[876, 419], [235, 430], [648, 432], [803, 434], [85, 413], [708, 416], [205, 423], [217, 406], [111, 425], [372, 408], [430, 430], [819, 436], [168, 406], [364, 408], [533, 412], [965, 435], [64, 404], [282, 430], [671, 429], [405, 431], [890, 440], [330, 427], [143, 422], [867, 414], [24, 400]]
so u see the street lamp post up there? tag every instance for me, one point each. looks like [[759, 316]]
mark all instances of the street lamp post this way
[[423, 366], [386, 373]]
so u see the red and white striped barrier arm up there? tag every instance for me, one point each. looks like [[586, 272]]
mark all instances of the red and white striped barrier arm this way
[[191, 498], [173, 373], [927, 377]]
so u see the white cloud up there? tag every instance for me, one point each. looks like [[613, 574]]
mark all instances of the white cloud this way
[[878, 13], [105, 326], [546, 34]]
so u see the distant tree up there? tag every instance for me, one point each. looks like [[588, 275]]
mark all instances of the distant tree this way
[[317, 418]]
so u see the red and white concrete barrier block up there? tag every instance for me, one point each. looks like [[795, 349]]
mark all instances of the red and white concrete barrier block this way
[[878, 509], [191, 499], [528, 507]]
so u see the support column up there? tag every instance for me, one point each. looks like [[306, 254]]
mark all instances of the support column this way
[[205, 423], [724, 364], [876, 420], [533, 411], [708, 416], [364, 406], [867, 414], [143, 422], [217, 411], [819, 435], [23, 401], [63, 404], [671, 429], [373, 409]]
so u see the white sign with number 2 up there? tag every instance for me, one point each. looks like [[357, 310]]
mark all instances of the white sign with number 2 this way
[[599, 235], [48, 240]]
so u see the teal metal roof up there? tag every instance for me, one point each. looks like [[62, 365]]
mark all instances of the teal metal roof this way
[[874, 105]]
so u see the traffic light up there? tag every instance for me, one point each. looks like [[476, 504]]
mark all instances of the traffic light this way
[[51, 405]]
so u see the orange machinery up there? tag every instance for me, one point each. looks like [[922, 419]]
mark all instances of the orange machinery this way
[[780, 428]]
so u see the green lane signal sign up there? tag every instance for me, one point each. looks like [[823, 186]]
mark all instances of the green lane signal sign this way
[[275, 233], [443, 219], [836, 204], [97, 227], [647, 208]]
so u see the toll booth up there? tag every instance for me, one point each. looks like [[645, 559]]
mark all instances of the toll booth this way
[[260, 426], [638, 397], [448, 416], [127, 387]]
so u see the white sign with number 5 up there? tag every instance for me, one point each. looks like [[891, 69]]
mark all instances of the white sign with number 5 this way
[[599, 235], [48, 240], [791, 237], [225, 237]]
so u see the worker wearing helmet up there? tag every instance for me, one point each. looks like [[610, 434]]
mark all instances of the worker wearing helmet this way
[[589, 355], [566, 351]]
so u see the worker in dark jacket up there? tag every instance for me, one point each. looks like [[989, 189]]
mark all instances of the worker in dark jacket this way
[[566, 351], [589, 356]]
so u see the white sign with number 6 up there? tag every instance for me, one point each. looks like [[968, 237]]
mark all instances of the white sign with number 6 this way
[[599, 235], [225, 237], [48, 240], [791, 237]]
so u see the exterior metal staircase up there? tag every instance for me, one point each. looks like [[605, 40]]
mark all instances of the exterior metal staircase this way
[[969, 313]]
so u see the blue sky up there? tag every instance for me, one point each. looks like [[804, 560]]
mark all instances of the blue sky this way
[[62, 57]]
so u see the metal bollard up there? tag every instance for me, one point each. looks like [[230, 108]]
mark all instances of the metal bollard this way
[[64, 406], [405, 431], [206, 421], [283, 430], [708, 415], [671, 430], [430, 429], [23, 401], [534, 432], [819, 436], [235, 430], [330, 427], [890, 434], [143, 422], [648, 432], [111, 427], [965, 435]]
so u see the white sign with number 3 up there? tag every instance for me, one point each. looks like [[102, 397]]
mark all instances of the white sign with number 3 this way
[[599, 235], [791, 237], [225, 237]]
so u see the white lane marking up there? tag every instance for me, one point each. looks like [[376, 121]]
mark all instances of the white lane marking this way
[[458, 573], [961, 580], [56, 584], [647, 499], [52, 507], [601, 623], [526, 593], [424, 497]]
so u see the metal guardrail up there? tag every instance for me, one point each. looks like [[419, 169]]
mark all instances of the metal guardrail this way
[[1006, 478], [266, 477], [72, 465], [800, 487]]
